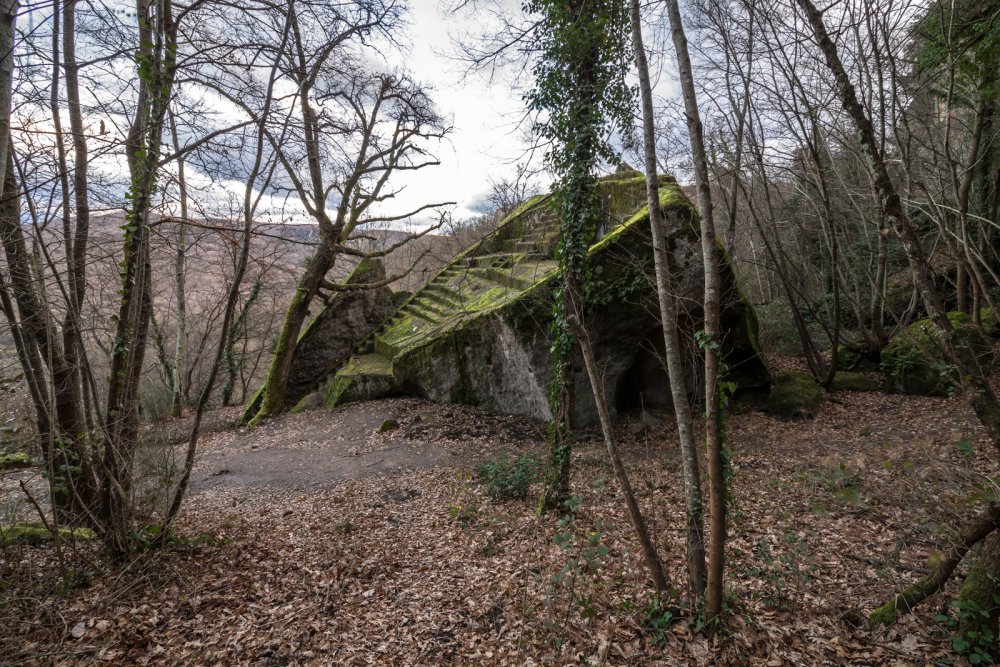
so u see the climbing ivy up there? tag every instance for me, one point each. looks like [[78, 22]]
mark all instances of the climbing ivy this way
[[580, 98]]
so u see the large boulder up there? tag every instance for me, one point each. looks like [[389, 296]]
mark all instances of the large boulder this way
[[332, 336], [914, 362], [795, 396], [480, 332]]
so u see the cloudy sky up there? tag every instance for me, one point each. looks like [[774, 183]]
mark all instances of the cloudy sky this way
[[486, 142]]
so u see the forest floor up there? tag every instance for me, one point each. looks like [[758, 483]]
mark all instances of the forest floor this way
[[317, 540]]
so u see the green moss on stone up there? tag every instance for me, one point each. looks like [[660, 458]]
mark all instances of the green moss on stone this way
[[14, 460], [848, 381], [36, 533], [372, 372], [388, 425], [795, 395], [914, 362], [310, 401]]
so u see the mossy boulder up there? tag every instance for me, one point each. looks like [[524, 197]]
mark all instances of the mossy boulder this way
[[795, 395], [914, 362], [388, 425], [848, 381], [14, 460], [480, 332], [310, 401], [36, 533], [329, 339]]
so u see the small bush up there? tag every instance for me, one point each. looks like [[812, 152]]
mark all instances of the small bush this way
[[504, 478]]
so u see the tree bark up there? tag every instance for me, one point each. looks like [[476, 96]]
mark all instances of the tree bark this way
[[712, 342], [668, 320], [180, 286]]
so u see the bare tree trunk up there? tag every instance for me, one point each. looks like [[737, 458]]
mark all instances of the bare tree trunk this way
[[668, 319], [8, 21], [180, 288], [661, 580], [712, 341]]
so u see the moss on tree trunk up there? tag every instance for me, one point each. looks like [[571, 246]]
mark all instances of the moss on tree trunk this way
[[980, 594]]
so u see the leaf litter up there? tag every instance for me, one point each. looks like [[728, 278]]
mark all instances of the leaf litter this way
[[418, 566]]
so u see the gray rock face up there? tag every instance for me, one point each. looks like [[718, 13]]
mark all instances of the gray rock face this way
[[331, 337]]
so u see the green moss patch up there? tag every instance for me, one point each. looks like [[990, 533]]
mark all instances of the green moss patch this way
[[388, 425], [36, 533], [848, 381], [795, 396], [367, 376], [15, 460]]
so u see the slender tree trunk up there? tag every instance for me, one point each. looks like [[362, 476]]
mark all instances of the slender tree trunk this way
[[67, 451], [157, 37], [233, 296], [8, 21], [180, 287], [668, 319], [712, 341]]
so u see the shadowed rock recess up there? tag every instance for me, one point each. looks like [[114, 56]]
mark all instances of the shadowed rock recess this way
[[479, 332]]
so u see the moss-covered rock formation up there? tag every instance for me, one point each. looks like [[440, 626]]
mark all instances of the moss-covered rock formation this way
[[479, 332], [331, 336], [795, 396], [914, 362]]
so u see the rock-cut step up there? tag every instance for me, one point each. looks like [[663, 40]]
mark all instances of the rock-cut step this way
[[363, 376]]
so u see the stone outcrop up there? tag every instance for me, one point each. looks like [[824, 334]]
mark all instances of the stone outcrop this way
[[914, 361], [331, 336], [479, 332]]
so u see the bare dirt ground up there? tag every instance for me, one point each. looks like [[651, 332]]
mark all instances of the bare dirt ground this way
[[315, 450], [316, 540]]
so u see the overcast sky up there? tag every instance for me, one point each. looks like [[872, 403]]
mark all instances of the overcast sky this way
[[485, 142]]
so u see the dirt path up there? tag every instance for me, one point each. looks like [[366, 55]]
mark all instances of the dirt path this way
[[316, 449], [320, 449]]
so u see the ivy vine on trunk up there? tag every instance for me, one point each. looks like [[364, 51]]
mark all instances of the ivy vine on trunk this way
[[580, 97]]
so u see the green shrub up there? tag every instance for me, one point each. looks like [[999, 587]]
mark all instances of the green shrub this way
[[505, 478]]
